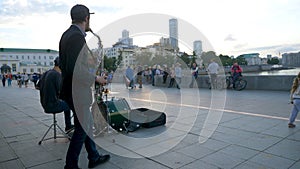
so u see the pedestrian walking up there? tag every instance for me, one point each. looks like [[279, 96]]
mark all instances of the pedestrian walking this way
[[194, 72], [295, 100]]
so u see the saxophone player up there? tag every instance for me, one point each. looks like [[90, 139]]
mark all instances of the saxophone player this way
[[72, 48]]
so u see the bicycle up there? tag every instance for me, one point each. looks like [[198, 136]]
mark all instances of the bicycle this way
[[240, 83]]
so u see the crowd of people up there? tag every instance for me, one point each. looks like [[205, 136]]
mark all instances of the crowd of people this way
[[140, 75], [20, 78]]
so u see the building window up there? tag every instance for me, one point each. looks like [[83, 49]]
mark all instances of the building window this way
[[39, 70], [14, 67], [24, 70], [44, 57], [50, 57], [39, 57], [45, 63], [22, 57], [33, 57], [31, 70], [17, 57], [51, 63]]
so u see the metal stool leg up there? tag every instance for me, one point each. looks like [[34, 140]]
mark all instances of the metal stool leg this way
[[54, 125]]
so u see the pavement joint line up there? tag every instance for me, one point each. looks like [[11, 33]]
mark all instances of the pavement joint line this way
[[208, 108], [45, 163], [18, 135], [9, 160]]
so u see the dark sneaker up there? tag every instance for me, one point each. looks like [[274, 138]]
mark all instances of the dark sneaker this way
[[291, 125], [101, 159], [69, 129]]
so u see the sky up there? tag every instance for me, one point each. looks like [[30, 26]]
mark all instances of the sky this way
[[232, 27]]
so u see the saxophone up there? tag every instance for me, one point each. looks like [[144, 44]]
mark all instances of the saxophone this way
[[100, 60], [99, 108]]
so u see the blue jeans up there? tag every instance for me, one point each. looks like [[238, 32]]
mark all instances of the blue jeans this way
[[62, 106], [79, 137], [295, 110]]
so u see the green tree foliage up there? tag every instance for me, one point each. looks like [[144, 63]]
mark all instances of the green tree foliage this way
[[185, 58], [225, 60], [273, 61], [207, 56], [143, 58], [110, 64], [241, 60], [119, 60]]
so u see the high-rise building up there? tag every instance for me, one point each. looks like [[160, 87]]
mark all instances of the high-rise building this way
[[125, 38], [173, 32], [198, 47]]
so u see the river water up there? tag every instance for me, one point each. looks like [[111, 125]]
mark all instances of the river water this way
[[294, 72]]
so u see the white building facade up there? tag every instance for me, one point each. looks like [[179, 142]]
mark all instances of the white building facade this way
[[27, 60], [291, 59]]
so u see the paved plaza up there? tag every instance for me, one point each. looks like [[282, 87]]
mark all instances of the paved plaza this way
[[205, 129]]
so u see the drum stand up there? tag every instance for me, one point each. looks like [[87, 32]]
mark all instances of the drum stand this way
[[103, 110]]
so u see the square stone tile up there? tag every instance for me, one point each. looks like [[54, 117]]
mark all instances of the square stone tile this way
[[7, 154], [195, 151], [281, 130], [251, 165], [295, 136], [134, 163], [239, 152], [260, 142], [214, 144], [12, 164], [295, 165], [226, 117], [286, 148], [222, 160], [272, 161], [199, 164], [173, 159]]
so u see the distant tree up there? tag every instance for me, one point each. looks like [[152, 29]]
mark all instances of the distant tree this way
[[110, 63], [143, 58], [186, 58], [225, 60], [119, 59], [241, 60], [273, 61], [207, 56]]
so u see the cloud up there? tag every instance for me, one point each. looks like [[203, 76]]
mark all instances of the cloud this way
[[31, 7], [283, 48], [229, 38], [22, 8], [241, 45]]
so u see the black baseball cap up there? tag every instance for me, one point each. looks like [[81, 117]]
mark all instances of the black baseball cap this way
[[79, 12], [56, 61]]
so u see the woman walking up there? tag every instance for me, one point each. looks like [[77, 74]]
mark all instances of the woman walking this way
[[295, 100]]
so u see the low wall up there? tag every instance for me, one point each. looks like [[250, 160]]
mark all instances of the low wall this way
[[254, 82]]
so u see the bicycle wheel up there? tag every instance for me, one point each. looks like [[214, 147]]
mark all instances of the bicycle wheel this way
[[240, 84], [228, 83]]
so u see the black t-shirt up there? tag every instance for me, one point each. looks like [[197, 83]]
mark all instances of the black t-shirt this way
[[50, 85]]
